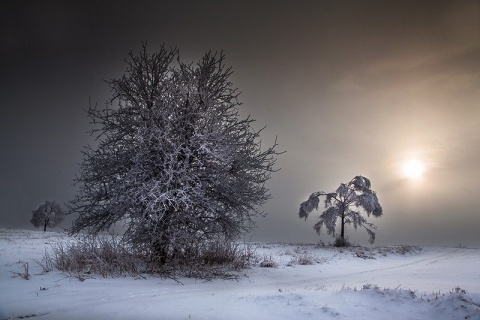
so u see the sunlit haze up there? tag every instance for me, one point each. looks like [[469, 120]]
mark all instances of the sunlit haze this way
[[385, 89], [413, 169]]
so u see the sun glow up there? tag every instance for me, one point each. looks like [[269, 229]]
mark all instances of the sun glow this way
[[413, 169]]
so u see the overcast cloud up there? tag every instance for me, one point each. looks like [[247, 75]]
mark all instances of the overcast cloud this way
[[349, 87]]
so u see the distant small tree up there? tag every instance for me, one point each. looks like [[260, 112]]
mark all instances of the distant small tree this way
[[48, 214], [346, 203]]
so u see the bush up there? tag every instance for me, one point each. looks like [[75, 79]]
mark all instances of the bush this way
[[268, 262], [103, 255], [305, 259], [109, 256], [341, 242], [208, 260], [46, 263]]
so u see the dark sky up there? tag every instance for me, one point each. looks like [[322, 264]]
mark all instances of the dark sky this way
[[350, 87]]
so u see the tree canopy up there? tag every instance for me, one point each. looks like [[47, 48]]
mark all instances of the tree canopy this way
[[49, 214], [175, 163], [347, 204]]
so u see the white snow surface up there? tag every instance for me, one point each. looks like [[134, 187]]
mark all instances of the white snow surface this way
[[429, 283]]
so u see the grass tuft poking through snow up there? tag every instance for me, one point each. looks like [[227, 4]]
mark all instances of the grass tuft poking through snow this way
[[268, 262], [24, 274]]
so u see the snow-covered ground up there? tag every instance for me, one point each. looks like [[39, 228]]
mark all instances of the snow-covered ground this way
[[431, 283]]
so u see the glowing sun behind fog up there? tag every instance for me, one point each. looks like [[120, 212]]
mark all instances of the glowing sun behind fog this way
[[413, 169]]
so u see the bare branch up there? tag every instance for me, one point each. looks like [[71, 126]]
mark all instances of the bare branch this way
[[174, 163], [346, 204]]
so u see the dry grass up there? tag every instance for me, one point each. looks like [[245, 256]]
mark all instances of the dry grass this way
[[372, 252], [215, 259], [108, 256], [268, 262], [24, 273], [103, 255]]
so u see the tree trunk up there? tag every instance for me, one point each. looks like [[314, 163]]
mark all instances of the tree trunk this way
[[342, 230], [161, 247], [160, 250], [45, 223]]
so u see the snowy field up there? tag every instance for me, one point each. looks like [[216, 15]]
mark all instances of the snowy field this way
[[355, 283]]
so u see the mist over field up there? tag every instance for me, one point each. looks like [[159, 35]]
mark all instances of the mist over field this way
[[350, 88]]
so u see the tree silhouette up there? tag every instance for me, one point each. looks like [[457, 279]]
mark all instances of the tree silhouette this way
[[48, 214], [346, 204], [174, 163]]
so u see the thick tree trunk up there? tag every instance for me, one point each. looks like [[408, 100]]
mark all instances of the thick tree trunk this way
[[161, 247], [160, 250]]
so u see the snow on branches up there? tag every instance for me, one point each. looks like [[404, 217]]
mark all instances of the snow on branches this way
[[347, 203], [48, 214], [174, 162]]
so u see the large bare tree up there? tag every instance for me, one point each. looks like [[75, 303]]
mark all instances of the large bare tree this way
[[347, 204], [175, 163]]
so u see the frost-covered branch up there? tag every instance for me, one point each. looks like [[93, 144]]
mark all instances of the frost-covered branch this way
[[49, 214], [174, 163], [347, 204]]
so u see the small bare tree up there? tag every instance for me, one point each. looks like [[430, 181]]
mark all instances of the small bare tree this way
[[346, 203], [48, 214]]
